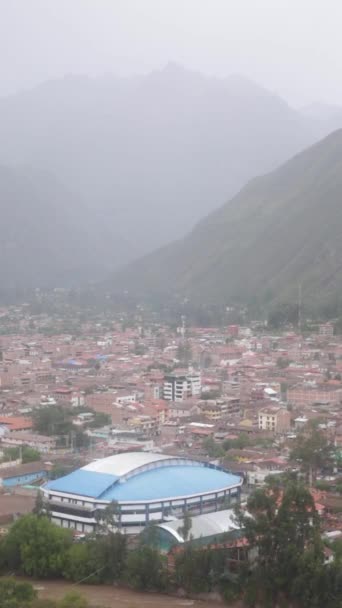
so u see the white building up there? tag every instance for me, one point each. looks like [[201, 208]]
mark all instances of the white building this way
[[178, 387]]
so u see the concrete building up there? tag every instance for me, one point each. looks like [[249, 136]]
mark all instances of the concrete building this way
[[274, 418], [41, 443], [23, 474], [178, 387], [306, 395], [215, 409]]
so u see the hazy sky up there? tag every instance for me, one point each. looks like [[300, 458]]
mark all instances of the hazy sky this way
[[293, 47]]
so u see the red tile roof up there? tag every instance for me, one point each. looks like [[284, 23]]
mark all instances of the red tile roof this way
[[16, 423]]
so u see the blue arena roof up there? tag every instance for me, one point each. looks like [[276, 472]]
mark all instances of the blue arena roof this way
[[154, 478], [169, 482], [84, 483]]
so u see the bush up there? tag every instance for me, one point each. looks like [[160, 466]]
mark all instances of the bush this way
[[80, 563], [146, 569], [14, 594], [73, 599]]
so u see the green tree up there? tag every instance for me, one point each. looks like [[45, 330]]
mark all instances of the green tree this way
[[41, 507], [109, 551], [282, 530], [100, 419], [312, 451], [80, 563], [36, 547], [11, 454], [150, 535], [15, 594], [198, 570], [27, 454], [282, 362], [30, 454], [146, 569], [107, 519], [59, 470], [52, 421], [185, 529], [80, 439], [213, 449]]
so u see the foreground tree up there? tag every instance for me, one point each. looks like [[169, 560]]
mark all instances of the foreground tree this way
[[110, 552], [14, 594], [107, 519], [146, 569], [185, 529], [81, 563], [41, 506], [36, 547], [282, 529], [312, 451]]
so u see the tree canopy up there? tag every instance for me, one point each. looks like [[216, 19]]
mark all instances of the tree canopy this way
[[36, 547], [282, 530], [312, 451]]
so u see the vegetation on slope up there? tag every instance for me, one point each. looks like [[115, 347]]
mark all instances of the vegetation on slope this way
[[281, 231]]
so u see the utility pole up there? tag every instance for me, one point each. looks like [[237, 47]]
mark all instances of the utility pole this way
[[300, 308]]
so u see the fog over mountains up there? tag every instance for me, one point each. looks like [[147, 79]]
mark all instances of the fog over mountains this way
[[132, 164], [282, 230], [45, 240]]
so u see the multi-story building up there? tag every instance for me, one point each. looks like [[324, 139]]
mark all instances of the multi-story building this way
[[274, 418], [306, 395], [33, 440], [178, 387], [183, 409], [215, 409], [326, 329]]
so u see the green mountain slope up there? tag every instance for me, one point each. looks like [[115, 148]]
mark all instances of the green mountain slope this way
[[281, 230]]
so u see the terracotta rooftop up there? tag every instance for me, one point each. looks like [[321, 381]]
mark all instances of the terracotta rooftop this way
[[16, 423]]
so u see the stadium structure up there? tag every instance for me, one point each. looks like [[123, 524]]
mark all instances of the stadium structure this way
[[146, 487]]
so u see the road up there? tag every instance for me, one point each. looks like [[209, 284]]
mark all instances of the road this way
[[115, 597]]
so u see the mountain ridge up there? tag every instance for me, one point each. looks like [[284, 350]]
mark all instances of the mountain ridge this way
[[282, 229], [165, 148]]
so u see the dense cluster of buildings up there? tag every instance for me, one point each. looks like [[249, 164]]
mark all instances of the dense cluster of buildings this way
[[210, 400]]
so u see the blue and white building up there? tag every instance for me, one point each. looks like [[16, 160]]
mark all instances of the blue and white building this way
[[147, 488]]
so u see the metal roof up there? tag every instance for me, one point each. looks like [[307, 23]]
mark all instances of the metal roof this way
[[121, 464], [208, 524], [171, 482], [142, 477]]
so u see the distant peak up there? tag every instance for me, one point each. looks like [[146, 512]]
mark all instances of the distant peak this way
[[174, 70], [173, 67]]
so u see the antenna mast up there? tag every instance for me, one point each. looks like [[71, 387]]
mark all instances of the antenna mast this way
[[300, 308]]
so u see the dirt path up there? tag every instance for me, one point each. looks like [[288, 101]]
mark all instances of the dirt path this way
[[116, 597]]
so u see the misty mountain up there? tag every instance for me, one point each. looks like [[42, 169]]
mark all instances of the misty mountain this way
[[45, 241], [326, 117], [281, 230], [150, 155]]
